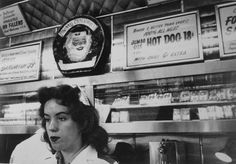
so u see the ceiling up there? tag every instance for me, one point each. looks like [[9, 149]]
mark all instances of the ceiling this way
[[45, 13]]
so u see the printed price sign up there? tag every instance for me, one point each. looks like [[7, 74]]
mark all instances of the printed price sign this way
[[12, 21], [162, 41], [226, 23], [21, 63]]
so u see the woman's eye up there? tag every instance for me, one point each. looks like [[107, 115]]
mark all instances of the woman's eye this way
[[46, 119], [62, 118]]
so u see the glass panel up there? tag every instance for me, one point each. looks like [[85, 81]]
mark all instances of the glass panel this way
[[201, 97], [19, 109]]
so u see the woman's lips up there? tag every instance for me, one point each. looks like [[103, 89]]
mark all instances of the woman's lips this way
[[54, 138], [80, 48]]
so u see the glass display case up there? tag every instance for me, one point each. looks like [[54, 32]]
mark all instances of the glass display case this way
[[19, 113], [197, 97], [21, 109], [200, 97], [184, 104]]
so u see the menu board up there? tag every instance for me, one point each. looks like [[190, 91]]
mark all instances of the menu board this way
[[12, 21], [21, 63], [166, 40], [226, 24]]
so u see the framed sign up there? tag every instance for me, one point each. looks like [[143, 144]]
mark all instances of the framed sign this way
[[20, 63], [166, 40], [12, 21], [226, 24], [79, 45]]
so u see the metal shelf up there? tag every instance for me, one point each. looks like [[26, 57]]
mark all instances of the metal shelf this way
[[172, 104], [18, 129], [211, 66], [141, 127], [196, 126]]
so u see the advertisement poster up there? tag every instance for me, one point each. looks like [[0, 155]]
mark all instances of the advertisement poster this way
[[79, 45], [12, 21], [20, 63], [167, 40], [226, 23]]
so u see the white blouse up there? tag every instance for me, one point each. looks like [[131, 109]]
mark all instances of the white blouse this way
[[87, 156]]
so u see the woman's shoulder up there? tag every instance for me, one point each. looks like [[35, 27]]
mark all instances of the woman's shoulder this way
[[107, 159]]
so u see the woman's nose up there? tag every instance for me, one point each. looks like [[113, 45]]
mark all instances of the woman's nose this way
[[53, 125]]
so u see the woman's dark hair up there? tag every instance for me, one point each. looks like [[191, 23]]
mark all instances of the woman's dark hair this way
[[84, 115]]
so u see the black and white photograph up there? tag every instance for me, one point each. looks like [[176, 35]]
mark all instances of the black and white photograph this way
[[117, 82]]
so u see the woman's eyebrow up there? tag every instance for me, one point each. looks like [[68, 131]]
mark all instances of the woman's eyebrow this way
[[60, 113], [57, 114]]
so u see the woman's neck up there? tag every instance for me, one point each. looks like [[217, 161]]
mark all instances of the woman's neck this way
[[70, 155]]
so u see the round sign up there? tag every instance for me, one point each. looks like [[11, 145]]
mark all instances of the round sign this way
[[79, 45]]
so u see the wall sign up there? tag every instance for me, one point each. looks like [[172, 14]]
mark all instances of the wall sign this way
[[79, 45], [12, 21], [172, 39], [20, 63], [226, 24]]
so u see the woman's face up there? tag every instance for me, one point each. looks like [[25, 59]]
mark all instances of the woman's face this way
[[63, 132], [78, 45]]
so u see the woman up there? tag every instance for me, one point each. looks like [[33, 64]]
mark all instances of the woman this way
[[71, 127], [78, 44]]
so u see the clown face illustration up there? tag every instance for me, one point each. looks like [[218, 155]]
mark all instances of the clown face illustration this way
[[78, 45]]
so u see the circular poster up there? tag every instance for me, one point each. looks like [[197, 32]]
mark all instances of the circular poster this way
[[79, 45]]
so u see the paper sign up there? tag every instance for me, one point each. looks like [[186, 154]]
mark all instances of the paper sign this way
[[226, 23], [162, 41], [12, 21], [20, 63]]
